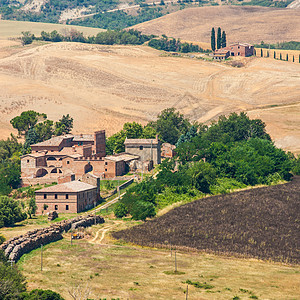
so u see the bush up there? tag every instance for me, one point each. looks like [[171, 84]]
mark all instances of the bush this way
[[142, 210], [10, 212], [38, 294], [120, 210], [12, 282]]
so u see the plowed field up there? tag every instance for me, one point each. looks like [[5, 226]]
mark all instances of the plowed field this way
[[261, 223]]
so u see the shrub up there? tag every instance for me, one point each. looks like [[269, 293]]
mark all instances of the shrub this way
[[120, 210], [10, 212], [39, 294]]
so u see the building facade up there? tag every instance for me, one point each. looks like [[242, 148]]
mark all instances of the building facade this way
[[70, 197], [236, 49], [146, 149]]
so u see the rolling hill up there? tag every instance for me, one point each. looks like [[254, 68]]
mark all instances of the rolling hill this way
[[102, 87], [241, 23]]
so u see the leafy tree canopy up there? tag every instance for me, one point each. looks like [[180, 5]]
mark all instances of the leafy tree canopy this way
[[10, 212]]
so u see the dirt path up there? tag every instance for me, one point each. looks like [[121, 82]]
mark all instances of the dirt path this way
[[103, 231]]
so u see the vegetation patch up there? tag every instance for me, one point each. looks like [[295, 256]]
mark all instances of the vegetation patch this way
[[200, 285]]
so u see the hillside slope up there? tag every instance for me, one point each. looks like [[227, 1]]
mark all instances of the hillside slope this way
[[261, 222], [102, 87], [244, 24]]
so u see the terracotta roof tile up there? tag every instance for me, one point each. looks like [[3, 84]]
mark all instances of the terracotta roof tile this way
[[68, 187]]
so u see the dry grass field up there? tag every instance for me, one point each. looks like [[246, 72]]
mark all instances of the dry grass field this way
[[13, 29], [112, 270], [105, 86], [242, 24]]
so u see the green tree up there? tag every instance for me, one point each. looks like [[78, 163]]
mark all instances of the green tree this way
[[219, 38], [293, 58], [10, 212], [32, 207], [27, 38], [64, 125], [10, 173], [120, 210], [26, 120], [280, 57], [31, 138], [142, 210], [170, 125], [44, 130], [213, 39], [223, 43], [133, 130], [287, 57], [274, 55], [261, 53], [9, 147], [12, 282], [39, 294]]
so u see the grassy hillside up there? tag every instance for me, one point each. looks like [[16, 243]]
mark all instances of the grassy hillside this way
[[241, 23], [261, 223]]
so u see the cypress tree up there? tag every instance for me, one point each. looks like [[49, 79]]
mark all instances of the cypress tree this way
[[280, 57], [219, 38], [274, 55], [268, 54], [224, 43], [213, 39], [293, 58], [299, 58], [287, 57], [261, 53]]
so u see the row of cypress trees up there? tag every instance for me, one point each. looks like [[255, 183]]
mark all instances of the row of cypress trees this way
[[280, 56], [221, 39]]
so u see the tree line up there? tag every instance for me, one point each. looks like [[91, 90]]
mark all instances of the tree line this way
[[275, 55], [173, 45], [221, 39]]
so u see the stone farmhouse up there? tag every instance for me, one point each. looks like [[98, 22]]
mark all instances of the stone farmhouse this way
[[65, 158], [69, 197], [236, 49]]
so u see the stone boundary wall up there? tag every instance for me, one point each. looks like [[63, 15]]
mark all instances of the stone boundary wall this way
[[122, 186], [17, 246]]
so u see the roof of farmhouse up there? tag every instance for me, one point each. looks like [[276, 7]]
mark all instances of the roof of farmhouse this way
[[68, 187], [55, 141]]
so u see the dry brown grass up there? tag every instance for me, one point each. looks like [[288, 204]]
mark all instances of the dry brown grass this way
[[105, 86], [242, 24], [12, 29], [128, 272]]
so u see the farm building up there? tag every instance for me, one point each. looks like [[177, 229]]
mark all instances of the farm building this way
[[146, 149], [236, 49], [221, 55], [69, 197], [168, 150], [65, 158]]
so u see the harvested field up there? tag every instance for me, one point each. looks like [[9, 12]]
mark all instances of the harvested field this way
[[13, 29], [242, 24], [102, 87], [261, 223]]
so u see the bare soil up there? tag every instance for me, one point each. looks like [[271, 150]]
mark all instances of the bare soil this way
[[102, 87], [251, 24]]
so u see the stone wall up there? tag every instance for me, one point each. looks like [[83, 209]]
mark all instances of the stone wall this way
[[17, 246]]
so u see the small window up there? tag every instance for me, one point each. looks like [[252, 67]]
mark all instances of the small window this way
[[238, 47], [67, 207], [67, 196], [105, 170], [141, 147], [55, 196], [106, 163], [238, 53], [56, 207], [45, 196], [68, 162], [27, 160]]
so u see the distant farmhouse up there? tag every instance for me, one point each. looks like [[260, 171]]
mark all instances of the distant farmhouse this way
[[236, 49], [66, 158]]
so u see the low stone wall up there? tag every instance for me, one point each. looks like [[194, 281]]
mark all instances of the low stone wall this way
[[17, 246]]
